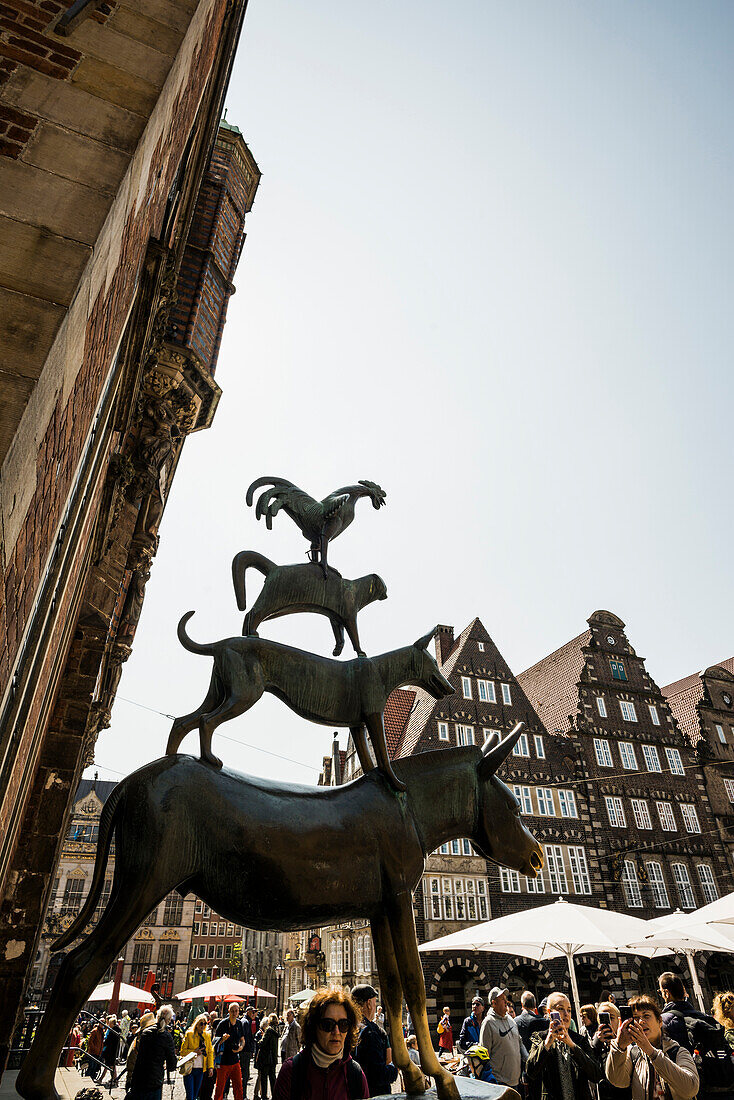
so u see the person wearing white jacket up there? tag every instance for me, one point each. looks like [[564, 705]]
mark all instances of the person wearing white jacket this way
[[642, 1057]]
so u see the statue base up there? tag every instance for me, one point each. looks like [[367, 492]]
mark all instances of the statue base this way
[[469, 1089]]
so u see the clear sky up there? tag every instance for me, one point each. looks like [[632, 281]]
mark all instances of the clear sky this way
[[489, 266]]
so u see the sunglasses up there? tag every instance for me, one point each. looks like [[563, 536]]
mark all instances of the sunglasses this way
[[329, 1025]]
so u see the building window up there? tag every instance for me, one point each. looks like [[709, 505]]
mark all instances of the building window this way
[[720, 731], [683, 885], [347, 953], [490, 735], [690, 817], [654, 715], [729, 788], [72, 899], [198, 905], [539, 747], [618, 672], [230, 930], [674, 762], [196, 928], [601, 706], [194, 951], [545, 802], [455, 849], [667, 817], [652, 760], [464, 735], [535, 885], [567, 801], [142, 954], [220, 950], [367, 954], [466, 687], [443, 731], [657, 885], [579, 870], [173, 910], [630, 885], [522, 794], [480, 647], [360, 955], [603, 754], [510, 881], [627, 756], [615, 812], [506, 697], [628, 710], [205, 929], [466, 846], [641, 814], [228, 951], [556, 871], [339, 955], [221, 931], [210, 952], [453, 899], [487, 694], [521, 746], [104, 897], [708, 883]]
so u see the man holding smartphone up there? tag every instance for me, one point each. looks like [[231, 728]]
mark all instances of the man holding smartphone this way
[[564, 1065]]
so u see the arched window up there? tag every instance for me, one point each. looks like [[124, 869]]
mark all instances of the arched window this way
[[347, 953], [333, 954], [339, 956]]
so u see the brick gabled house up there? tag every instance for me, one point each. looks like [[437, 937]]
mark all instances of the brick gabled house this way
[[655, 830]]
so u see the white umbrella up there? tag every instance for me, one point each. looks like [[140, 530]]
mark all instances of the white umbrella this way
[[716, 912], [127, 993], [222, 987], [559, 930], [302, 996]]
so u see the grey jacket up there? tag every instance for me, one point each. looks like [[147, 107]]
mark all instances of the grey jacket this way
[[291, 1041], [507, 1054]]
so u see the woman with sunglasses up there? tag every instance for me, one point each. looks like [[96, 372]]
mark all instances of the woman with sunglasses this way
[[325, 1067]]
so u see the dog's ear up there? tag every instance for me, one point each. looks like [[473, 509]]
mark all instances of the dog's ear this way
[[425, 641]]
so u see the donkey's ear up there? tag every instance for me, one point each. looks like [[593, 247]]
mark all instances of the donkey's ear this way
[[495, 753], [425, 641]]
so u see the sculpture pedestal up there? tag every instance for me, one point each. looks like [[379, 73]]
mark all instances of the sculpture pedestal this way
[[469, 1089]]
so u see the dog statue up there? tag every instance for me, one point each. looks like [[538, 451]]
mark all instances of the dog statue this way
[[292, 588], [332, 693]]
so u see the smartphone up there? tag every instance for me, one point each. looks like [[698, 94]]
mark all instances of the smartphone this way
[[625, 1012], [604, 1019], [555, 1017]]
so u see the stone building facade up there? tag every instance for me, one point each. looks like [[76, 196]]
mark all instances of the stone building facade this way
[[107, 126]]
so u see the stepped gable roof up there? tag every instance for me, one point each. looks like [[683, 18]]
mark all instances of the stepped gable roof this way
[[684, 695], [397, 710], [103, 788], [551, 685]]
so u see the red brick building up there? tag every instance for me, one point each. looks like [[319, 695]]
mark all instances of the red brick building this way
[[107, 125]]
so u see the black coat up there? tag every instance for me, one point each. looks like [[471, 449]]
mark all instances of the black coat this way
[[156, 1053], [527, 1024], [266, 1057], [542, 1065], [607, 1091], [371, 1053]]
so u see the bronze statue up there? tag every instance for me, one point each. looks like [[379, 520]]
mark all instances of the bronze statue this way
[[332, 693], [278, 856], [292, 588], [319, 520]]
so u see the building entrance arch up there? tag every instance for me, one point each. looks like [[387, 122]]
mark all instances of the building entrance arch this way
[[522, 973]]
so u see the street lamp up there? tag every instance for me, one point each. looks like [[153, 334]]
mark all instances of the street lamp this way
[[279, 970]]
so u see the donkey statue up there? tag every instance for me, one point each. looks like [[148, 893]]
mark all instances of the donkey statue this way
[[278, 856]]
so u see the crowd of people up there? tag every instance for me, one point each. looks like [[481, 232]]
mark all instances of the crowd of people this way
[[647, 1049]]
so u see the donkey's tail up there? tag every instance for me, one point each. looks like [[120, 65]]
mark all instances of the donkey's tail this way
[[106, 829], [189, 643], [247, 559]]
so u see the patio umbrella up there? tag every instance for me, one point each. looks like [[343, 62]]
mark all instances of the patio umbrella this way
[[716, 912], [676, 932], [302, 996], [127, 993], [223, 987], [559, 930]]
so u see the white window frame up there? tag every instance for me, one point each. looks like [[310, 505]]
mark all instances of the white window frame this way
[[486, 691], [506, 695], [615, 811], [443, 731], [729, 788], [651, 758], [509, 881], [629, 714], [667, 817], [628, 756], [524, 798], [683, 885], [657, 884], [720, 730], [675, 762], [535, 885], [631, 885], [690, 817], [579, 870], [641, 813], [708, 883], [654, 714], [567, 803], [480, 647], [487, 733], [546, 805], [521, 746], [466, 687], [601, 706], [603, 753], [557, 881], [464, 735], [539, 746]]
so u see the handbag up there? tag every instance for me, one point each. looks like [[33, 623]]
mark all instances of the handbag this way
[[186, 1064]]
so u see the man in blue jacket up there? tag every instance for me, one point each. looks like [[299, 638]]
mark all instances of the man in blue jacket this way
[[373, 1044], [469, 1035]]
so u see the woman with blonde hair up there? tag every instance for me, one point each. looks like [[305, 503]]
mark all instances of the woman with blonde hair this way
[[325, 1066], [724, 1014], [266, 1057], [197, 1041]]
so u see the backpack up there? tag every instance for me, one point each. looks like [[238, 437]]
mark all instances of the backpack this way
[[712, 1054], [300, 1068]]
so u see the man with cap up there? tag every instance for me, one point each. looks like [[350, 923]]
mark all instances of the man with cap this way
[[373, 1045], [470, 1029], [500, 1037]]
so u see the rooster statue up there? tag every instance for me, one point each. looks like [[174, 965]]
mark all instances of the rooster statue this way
[[319, 521]]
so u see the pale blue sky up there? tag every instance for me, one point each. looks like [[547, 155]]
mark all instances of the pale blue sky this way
[[490, 267]]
